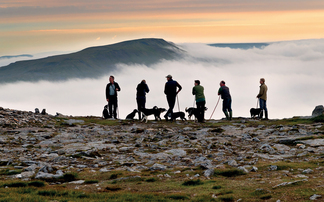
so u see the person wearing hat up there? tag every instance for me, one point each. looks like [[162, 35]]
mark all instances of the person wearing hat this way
[[171, 89], [227, 100], [198, 91], [263, 98]]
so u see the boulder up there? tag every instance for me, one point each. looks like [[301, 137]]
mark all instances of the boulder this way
[[319, 110]]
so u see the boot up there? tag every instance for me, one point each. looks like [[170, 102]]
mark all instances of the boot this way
[[266, 115], [226, 114], [230, 115]]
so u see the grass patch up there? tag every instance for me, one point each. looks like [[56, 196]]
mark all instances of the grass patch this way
[[15, 184], [178, 197], [227, 198], [217, 187], [10, 172], [229, 173], [91, 181], [192, 183], [152, 179], [68, 177], [113, 188], [36, 184]]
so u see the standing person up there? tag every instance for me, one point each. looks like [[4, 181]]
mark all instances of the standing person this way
[[198, 91], [227, 100], [263, 98], [141, 91], [170, 90], [111, 96]]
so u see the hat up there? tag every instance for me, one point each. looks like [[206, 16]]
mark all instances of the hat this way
[[169, 76]]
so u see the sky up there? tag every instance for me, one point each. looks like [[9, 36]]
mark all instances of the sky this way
[[35, 26], [293, 71]]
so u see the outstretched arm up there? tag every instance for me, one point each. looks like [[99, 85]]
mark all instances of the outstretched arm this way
[[180, 87]]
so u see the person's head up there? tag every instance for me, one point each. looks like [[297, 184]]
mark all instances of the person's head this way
[[169, 77], [222, 83], [111, 79], [143, 81], [197, 82], [262, 80]]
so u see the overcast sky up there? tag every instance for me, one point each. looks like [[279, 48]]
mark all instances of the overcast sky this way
[[34, 26]]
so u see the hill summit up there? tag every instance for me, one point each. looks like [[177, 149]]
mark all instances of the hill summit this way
[[91, 62]]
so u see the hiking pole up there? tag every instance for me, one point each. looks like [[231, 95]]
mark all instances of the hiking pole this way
[[214, 108], [178, 103]]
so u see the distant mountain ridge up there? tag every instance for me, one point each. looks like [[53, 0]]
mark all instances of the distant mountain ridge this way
[[244, 46], [15, 56], [91, 62]]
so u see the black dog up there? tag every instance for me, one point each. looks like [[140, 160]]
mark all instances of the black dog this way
[[154, 111], [255, 112], [176, 115], [131, 115], [193, 111]]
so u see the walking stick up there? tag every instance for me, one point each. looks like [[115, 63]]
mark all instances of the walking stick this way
[[178, 103], [215, 108]]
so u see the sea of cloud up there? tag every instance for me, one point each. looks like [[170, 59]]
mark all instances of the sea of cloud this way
[[294, 73]]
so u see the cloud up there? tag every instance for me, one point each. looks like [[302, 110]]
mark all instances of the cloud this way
[[293, 72], [98, 39]]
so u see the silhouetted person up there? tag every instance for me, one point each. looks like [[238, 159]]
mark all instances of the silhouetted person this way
[[141, 91], [111, 95], [227, 100], [263, 98], [170, 90], [198, 91]]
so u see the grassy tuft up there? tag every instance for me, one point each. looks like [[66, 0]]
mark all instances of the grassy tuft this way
[[91, 181], [217, 187], [36, 184], [192, 183], [229, 173]]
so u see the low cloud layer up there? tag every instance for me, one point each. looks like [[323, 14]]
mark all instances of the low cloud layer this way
[[293, 71]]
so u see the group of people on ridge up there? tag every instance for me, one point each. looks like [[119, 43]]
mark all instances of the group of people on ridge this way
[[171, 90]]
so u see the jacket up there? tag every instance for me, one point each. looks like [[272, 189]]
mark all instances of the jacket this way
[[142, 89], [170, 88], [263, 92], [224, 92], [107, 89], [198, 90]]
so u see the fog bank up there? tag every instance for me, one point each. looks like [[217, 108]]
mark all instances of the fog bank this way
[[293, 71]]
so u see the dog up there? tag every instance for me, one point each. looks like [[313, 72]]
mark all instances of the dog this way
[[131, 115], [154, 111], [193, 111], [176, 115], [255, 112]]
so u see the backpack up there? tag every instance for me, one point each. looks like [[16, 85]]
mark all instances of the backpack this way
[[105, 113]]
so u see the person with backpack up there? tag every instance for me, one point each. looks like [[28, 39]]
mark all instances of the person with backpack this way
[[141, 90], [227, 100], [111, 95], [198, 91], [171, 89]]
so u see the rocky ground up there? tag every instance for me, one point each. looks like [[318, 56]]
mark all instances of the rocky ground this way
[[43, 147]]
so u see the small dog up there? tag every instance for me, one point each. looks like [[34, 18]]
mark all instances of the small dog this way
[[193, 111], [154, 111], [176, 115], [255, 112], [131, 115]]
